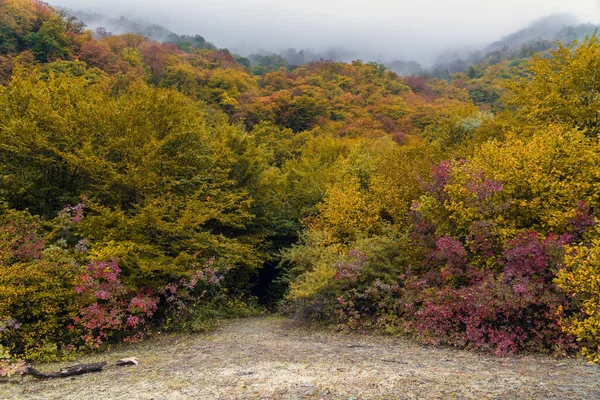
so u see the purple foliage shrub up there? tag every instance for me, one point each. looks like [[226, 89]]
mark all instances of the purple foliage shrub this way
[[470, 288]]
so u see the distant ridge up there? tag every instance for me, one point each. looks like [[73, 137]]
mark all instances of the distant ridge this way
[[546, 28], [539, 36], [104, 25]]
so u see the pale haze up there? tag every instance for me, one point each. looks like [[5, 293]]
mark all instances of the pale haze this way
[[409, 29]]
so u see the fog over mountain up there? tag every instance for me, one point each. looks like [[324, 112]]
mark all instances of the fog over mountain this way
[[377, 29]]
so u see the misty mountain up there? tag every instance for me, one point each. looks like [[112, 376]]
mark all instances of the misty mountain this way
[[104, 25], [546, 28], [262, 59], [538, 36], [405, 68]]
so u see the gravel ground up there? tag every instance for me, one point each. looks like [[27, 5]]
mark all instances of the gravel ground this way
[[272, 358]]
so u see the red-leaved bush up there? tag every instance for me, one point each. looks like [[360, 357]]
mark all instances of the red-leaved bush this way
[[21, 240], [517, 309], [472, 288]]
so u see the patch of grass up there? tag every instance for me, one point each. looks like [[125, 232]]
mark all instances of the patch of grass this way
[[205, 316]]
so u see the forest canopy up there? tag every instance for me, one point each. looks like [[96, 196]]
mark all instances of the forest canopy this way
[[149, 185]]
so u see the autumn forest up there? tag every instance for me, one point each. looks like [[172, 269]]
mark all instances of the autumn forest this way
[[162, 186]]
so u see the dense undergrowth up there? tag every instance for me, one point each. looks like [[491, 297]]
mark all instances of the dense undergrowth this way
[[146, 186]]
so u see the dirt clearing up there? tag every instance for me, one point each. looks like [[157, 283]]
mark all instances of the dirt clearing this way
[[271, 358]]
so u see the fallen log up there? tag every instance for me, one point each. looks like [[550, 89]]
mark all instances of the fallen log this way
[[79, 369], [127, 361]]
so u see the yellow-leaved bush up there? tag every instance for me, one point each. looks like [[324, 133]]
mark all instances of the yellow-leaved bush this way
[[540, 182], [581, 279], [37, 287]]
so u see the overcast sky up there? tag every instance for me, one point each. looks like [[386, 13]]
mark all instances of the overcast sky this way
[[409, 29]]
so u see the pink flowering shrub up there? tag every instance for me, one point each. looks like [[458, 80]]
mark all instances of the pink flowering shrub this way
[[350, 270], [10, 366], [195, 301], [71, 214], [110, 312], [66, 302]]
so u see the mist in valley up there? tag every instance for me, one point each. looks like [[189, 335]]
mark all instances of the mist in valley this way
[[407, 36]]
